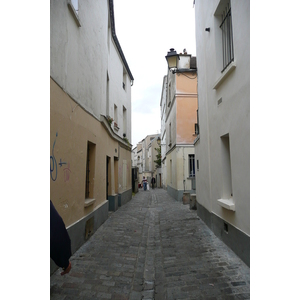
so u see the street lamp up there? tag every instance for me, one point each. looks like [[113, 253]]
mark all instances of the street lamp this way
[[172, 59]]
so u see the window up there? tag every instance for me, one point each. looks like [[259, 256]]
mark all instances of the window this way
[[169, 95], [124, 79], [116, 116], [227, 38], [197, 125], [170, 135], [90, 170], [191, 165], [226, 167]]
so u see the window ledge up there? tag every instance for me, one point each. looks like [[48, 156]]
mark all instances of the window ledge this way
[[89, 202], [227, 203], [74, 13], [224, 75]]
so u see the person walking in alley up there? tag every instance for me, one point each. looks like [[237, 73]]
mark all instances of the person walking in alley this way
[[60, 243], [153, 182], [144, 183]]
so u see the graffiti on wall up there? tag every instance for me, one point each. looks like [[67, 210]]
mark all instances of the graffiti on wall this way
[[67, 172], [53, 165]]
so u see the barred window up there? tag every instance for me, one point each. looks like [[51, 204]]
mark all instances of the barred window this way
[[227, 38]]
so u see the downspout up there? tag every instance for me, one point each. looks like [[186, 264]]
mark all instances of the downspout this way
[[183, 164]]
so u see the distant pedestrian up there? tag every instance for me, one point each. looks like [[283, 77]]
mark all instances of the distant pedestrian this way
[[60, 243], [153, 182], [145, 183]]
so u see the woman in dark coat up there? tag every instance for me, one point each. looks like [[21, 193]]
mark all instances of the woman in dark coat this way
[[60, 243]]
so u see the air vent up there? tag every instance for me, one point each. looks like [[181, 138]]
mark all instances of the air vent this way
[[89, 227], [226, 227]]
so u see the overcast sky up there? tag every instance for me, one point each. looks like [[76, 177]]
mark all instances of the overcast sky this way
[[146, 31]]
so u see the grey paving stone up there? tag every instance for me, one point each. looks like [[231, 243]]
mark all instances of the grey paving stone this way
[[153, 248]]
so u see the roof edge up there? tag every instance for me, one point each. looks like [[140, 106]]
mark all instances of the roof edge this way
[[113, 31]]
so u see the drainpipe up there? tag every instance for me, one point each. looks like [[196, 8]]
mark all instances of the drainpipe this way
[[183, 164]]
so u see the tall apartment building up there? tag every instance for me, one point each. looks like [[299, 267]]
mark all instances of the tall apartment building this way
[[178, 117], [223, 146], [90, 115]]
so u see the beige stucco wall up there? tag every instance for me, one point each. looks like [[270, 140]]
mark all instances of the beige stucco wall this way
[[182, 111], [186, 119], [186, 107], [124, 170], [179, 170], [71, 127]]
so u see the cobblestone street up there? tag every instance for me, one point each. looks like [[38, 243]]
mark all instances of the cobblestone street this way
[[153, 248]]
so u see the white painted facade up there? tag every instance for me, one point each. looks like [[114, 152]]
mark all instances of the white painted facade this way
[[223, 145], [146, 154], [163, 109], [86, 63]]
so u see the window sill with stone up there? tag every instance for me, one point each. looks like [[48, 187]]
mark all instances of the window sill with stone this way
[[225, 74], [88, 202], [227, 203]]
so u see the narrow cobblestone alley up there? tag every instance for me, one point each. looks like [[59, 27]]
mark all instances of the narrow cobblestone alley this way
[[153, 248]]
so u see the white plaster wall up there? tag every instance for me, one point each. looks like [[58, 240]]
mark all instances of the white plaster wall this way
[[231, 117], [80, 59], [118, 95], [163, 109], [184, 62], [182, 168]]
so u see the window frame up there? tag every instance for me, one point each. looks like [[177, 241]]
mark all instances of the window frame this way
[[192, 170], [90, 170], [227, 37]]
